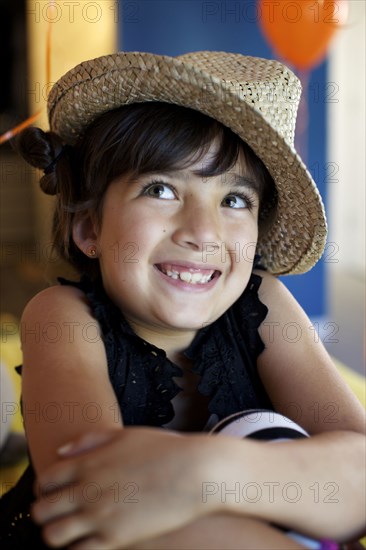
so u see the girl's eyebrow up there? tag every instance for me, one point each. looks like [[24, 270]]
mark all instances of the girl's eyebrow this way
[[227, 178], [239, 181]]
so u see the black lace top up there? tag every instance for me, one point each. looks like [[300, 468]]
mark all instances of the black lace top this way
[[223, 354]]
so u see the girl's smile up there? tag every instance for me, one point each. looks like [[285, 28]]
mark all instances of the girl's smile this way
[[186, 275], [189, 234]]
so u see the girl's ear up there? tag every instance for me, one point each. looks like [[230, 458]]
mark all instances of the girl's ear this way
[[84, 234]]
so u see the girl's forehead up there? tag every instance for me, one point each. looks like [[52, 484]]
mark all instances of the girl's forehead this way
[[206, 158], [202, 165]]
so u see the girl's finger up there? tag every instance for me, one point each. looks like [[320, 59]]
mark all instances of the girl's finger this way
[[67, 530], [65, 472], [85, 443], [59, 503], [55, 478], [95, 543]]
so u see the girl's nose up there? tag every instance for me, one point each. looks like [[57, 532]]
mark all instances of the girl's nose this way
[[197, 226]]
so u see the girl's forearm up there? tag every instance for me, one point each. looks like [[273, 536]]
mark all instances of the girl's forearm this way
[[222, 531], [315, 486]]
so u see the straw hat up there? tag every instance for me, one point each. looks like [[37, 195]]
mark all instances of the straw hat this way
[[256, 98]]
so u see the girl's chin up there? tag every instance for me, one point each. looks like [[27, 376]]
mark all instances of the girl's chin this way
[[187, 323]]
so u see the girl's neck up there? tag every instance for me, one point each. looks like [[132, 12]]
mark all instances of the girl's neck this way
[[172, 342]]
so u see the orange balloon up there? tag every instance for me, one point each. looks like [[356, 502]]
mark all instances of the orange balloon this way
[[300, 31]]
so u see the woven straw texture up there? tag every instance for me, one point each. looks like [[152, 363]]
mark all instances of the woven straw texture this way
[[256, 98]]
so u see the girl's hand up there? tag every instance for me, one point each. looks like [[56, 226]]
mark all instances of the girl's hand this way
[[122, 487]]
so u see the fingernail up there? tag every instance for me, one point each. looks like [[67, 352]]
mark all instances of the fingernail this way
[[64, 449]]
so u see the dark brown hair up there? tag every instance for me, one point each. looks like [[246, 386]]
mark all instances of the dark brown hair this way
[[134, 139]]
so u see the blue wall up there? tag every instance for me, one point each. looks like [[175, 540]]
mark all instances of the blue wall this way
[[174, 27]]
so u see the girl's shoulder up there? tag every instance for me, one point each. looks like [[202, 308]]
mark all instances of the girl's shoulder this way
[[55, 312], [286, 330], [270, 285], [298, 373], [281, 304], [56, 299]]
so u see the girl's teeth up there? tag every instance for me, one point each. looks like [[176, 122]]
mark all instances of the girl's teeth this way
[[173, 274], [187, 277], [197, 277]]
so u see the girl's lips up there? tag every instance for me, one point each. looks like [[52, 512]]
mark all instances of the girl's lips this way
[[186, 266]]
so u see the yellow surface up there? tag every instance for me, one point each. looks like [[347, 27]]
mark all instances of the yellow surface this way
[[11, 356], [78, 31], [356, 381]]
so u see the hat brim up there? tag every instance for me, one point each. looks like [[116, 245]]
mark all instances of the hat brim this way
[[297, 237]]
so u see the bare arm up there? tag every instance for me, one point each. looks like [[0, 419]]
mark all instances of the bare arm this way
[[315, 486], [66, 391], [297, 371], [178, 480]]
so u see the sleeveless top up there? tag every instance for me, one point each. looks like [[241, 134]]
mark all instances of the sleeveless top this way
[[223, 354]]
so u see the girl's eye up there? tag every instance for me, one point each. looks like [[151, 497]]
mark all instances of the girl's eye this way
[[159, 191], [237, 201]]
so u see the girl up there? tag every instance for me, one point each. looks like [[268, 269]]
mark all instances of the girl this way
[[180, 197]]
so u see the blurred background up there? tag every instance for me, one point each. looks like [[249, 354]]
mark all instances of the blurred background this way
[[331, 126]]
